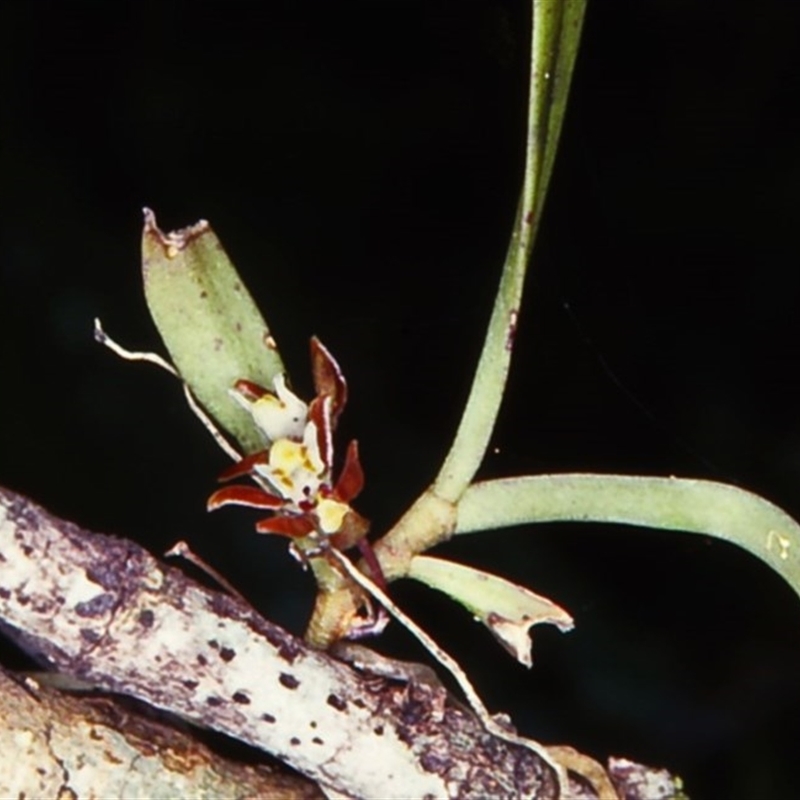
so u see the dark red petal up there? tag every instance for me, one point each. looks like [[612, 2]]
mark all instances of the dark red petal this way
[[250, 496], [245, 466], [351, 478], [250, 390], [328, 378], [286, 526], [319, 412]]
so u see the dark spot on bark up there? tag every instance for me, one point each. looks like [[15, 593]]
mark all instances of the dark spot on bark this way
[[2, 558], [336, 702], [288, 651], [42, 605], [413, 712], [203, 294], [241, 697], [191, 685], [359, 703], [90, 635], [287, 648], [23, 599], [227, 654], [22, 510], [4, 593], [214, 701], [378, 730], [312, 724], [27, 550], [267, 717], [289, 681], [317, 740], [294, 740], [430, 762], [123, 563], [214, 644], [146, 618], [201, 660], [97, 606], [405, 735]]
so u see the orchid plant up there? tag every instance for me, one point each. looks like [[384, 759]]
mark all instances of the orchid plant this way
[[225, 355]]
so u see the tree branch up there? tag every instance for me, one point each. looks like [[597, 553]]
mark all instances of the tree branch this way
[[54, 744], [103, 610]]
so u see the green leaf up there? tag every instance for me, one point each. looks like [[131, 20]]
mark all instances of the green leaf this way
[[554, 45], [210, 325], [680, 504], [508, 610]]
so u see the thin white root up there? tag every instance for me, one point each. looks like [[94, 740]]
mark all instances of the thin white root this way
[[153, 358], [453, 667], [209, 425], [130, 355]]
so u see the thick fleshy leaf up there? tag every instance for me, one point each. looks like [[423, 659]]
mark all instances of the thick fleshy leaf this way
[[680, 504], [508, 610], [554, 44], [249, 496], [210, 325]]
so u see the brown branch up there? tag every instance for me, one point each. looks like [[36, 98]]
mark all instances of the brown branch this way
[[103, 610], [54, 744]]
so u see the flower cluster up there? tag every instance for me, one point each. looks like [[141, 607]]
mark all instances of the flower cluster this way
[[293, 475]]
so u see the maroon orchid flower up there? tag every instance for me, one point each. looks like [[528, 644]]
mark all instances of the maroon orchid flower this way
[[293, 475]]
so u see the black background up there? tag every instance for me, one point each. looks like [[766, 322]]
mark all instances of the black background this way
[[360, 162]]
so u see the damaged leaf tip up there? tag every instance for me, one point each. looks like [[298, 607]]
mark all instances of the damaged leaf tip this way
[[173, 242], [509, 611]]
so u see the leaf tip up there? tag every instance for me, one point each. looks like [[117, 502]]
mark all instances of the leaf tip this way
[[172, 243], [515, 634]]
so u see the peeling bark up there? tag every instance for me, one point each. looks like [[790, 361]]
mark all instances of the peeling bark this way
[[103, 610]]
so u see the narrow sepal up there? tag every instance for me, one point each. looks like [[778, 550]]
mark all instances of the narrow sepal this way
[[295, 527], [243, 467], [250, 496], [351, 479], [249, 390]]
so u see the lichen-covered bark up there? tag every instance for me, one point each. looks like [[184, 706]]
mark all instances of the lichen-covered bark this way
[[104, 610], [54, 744]]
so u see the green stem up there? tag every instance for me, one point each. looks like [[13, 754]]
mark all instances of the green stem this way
[[683, 504]]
